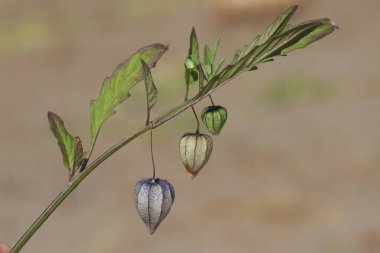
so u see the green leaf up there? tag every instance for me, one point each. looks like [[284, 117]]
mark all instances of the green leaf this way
[[192, 60], [274, 28], [115, 89], [194, 46], [150, 87], [191, 77], [318, 33], [219, 66], [279, 39], [277, 26], [79, 155], [71, 149], [293, 38], [215, 50], [208, 61], [202, 76]]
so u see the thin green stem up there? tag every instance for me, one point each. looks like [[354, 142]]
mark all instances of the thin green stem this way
[[274, 45], [187, 93], [151, 152], [160, 120], [71, 187], [196, 117], [163, 118], [89, 153], [212, 101]]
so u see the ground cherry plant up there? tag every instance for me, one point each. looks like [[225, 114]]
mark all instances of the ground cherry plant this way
[[153, 196]]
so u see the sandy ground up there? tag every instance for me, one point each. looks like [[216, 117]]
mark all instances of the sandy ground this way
[[296, 168]]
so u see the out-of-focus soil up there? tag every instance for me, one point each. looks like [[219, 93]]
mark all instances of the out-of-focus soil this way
[[296, 168]]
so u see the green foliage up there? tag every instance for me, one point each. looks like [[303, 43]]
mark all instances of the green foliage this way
[[319, 32], [71, 148], [209, 60], [192, 61], [278, 39], [150, 87], [116, 88], [194, 46], [275, 28], [195, 69]]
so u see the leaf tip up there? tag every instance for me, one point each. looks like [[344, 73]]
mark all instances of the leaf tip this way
[[50, 114], [292, 9], [52, 117], [193, 34], [334, 25]]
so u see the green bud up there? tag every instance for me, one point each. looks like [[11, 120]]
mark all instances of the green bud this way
[[214, 117], [189, 64], [195, 150]]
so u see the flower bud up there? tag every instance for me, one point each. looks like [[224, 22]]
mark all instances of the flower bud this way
[[214, 117], [153, 199], [189, 64], [195, 150]]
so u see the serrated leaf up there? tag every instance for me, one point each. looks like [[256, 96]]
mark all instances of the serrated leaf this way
[[283, 38], [115, 89], [66, 142], [318, 33], [294, 38], [276, 45], [150, 87], [276, 27]]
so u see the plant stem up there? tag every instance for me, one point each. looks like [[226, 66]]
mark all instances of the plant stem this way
[[151, 152], [196, 117], [89, 153], [212, 101], [160, 120], [71, 187]]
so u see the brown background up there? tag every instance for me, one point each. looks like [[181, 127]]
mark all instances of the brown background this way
[[296, 168]]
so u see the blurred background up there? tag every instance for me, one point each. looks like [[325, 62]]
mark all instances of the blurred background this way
[[295, 169]]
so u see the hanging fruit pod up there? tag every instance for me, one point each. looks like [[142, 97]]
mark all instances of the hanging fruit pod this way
[[195, 150], [153, 199], [214, 117]]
